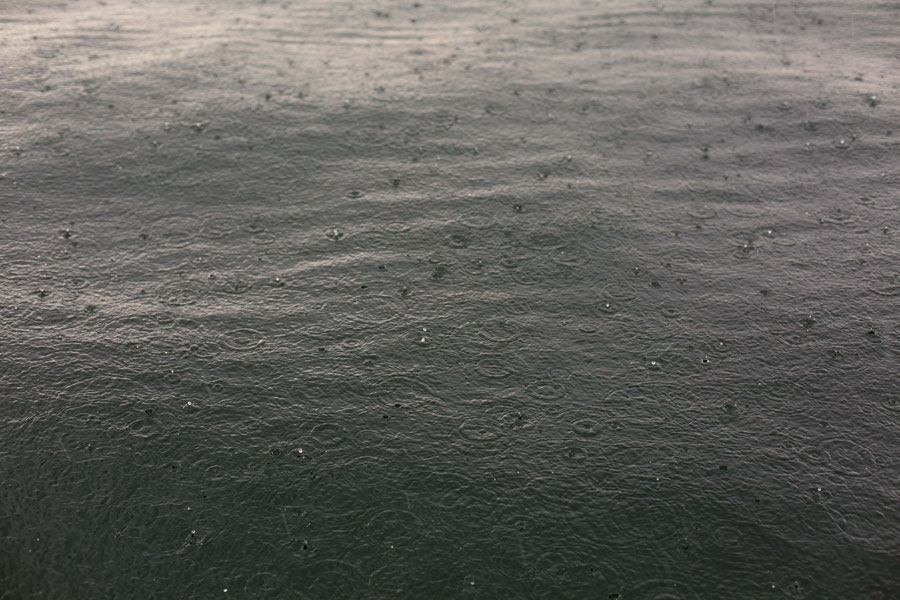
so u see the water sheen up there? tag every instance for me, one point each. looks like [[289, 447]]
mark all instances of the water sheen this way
[[474, 299]]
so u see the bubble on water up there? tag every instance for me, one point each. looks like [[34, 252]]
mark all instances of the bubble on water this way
[[842, 143], [606, 306], [334, 234], [744, 250]]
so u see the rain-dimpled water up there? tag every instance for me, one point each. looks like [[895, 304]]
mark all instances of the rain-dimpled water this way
[[449, 299]]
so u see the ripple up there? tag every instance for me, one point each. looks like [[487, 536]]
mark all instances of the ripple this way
[[574, 454], [849, 457], [372, 311], [661, 589], [242, 340], [518, 307], [458, 239], [183, 292], [478, 221], [397, 227], [405, 388], [745, 212], [263, 584], [669, 312], [513, 418], [586, 428], [498, 331], [702, 212], [217, 227], [369, 438], [355, 194], [544, 240], [541, 272], [744, 250], [394, 528], [479, 429], [606, 306], [869, 526], [546, 390], [890, 291], [726, 535], [329, 435], [494, 368], [176, 230], [332, 578]]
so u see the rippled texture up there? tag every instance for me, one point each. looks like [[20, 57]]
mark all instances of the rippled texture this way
[[461, 299]]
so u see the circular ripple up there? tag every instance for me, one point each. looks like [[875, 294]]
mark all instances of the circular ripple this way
[[329, 435], [479, 430], [574, 454], [545, 240], [498, 331], [744, 250], [702, 212], [263, 584], [390, 528], [376, 310], [478, 221], [458, 239], [183, 292], [669, 312], [726, 535], [242, 340], [176, 230], [586, 428], [328, 579], [406, 388], [870, 526], [849, 457], [216, 228], [745, 212], [661, 589], [546, 390], [494, 368], [397, 227]]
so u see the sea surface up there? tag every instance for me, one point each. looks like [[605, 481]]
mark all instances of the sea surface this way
[[450, 299]]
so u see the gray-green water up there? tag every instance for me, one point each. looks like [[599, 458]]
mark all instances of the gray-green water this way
[[468, 299]]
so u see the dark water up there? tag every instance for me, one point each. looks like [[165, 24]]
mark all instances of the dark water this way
[[469, 299]]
